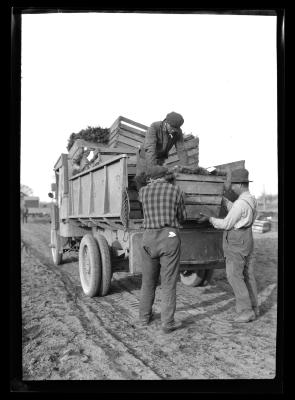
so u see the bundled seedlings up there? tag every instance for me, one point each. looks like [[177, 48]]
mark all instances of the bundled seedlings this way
[[90, 134]]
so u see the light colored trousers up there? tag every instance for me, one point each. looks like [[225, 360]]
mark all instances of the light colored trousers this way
[[238, 251]]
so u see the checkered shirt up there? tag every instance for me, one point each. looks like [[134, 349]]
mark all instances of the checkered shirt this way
[[162, 204]]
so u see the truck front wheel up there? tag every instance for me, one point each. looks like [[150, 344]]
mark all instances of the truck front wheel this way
[[56, 248], [89, 266]]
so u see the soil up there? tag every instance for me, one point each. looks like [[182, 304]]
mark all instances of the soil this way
[[69, 336]]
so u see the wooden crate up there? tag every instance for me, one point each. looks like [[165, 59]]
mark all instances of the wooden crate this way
[[261, 226], [232, 166], [127, 133], [191, 144], [203, 193]]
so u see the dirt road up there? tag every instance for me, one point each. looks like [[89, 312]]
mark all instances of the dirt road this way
[[67, 335]]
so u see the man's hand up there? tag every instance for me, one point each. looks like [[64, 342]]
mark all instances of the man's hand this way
[[204, 218]]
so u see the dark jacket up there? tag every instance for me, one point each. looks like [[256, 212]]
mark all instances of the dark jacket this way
[[158, 143]]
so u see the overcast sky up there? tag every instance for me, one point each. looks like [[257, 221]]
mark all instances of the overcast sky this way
[[218, 71]]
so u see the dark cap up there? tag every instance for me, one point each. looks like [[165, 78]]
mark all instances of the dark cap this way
[[240, 175], [174, 119]]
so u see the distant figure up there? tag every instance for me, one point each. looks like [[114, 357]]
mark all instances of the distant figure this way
[[24, 214]]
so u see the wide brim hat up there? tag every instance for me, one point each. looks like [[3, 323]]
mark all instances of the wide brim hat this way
[[240, 175], [175, 120]]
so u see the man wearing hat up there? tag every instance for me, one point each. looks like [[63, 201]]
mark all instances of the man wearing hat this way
[[163, 211], [238, 245], [160, 138]]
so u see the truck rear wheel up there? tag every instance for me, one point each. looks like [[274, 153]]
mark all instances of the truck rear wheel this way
[[196, 278], [90, 266], [106, 266], [55, 247]]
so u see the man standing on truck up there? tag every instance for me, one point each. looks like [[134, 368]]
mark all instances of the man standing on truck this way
[[238, 245], [163, 211], [160, 138]]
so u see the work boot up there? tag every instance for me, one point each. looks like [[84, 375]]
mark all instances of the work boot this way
[[256, 311], [171, 327], [143, 323], [245, 316]]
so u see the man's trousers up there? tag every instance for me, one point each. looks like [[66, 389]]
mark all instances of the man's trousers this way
[[238, 251], [161, 257]]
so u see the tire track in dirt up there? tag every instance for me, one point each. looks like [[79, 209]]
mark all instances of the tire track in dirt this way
[[209, 347], [111, 352]]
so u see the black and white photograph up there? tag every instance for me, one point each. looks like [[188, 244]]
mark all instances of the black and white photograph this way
[[149, 188]]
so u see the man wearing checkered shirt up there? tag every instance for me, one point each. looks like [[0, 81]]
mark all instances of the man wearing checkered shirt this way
[[163, 211]]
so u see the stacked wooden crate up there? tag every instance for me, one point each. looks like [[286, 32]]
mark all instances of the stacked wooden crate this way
[[203, 193], [191, 144], [127, 133], [261, 226]]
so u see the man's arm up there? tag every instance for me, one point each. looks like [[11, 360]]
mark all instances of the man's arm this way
[[230, 220], [150, 143], [181, 152]]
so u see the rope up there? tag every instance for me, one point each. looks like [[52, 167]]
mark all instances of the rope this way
[[125, 209]]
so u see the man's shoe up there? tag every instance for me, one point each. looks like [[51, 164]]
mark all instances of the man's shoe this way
[[256, 311], [142, 323], [171, 327], [245, 316]]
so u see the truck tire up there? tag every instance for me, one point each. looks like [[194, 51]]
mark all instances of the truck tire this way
[[89, 266], [55, 247], [196, 278], [106, 266]]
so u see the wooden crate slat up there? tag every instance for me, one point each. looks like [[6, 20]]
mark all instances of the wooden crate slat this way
[[202, 199], [200, 187], [124, 141], [232, 166], [199, 178], [132, 160], [193, 211], [133, 195], [131, 170], [131, 136], [132, 130], [192, 161], [135, 214], [114, 134], [135, 205], [115, 124], [129, 121], [120, 144]]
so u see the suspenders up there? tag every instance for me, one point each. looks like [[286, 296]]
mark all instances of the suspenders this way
[[244, 227]]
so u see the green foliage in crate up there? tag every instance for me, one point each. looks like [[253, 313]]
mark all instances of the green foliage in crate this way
[[90, 134]]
